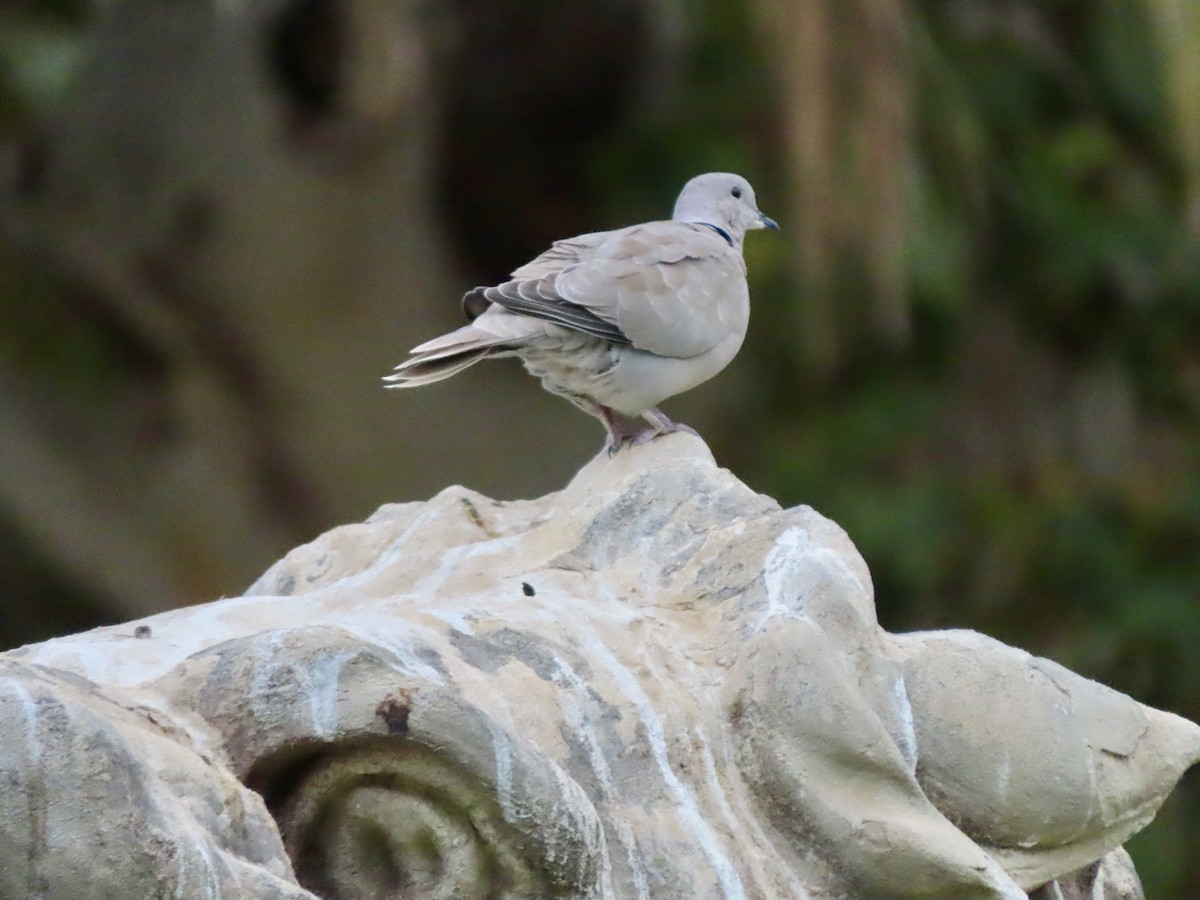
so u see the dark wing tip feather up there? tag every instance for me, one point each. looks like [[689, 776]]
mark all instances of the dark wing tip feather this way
[[474, 303], [529, 298]]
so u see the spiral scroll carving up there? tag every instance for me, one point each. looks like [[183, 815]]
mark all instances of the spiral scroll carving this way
[[392, 818]]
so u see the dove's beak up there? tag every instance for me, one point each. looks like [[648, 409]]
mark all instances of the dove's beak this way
[[765, 221]]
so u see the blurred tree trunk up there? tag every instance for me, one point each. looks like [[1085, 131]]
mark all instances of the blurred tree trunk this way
[[1179, 26], [843, 76], [218, 241]]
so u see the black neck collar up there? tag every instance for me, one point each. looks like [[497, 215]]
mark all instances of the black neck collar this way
[[721, 231]]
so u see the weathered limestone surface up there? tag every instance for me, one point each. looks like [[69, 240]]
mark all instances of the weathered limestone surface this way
[[655, 683]]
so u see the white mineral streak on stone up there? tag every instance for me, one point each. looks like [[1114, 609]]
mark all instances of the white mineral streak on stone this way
[[504, 771], [596, 842], [210, 881], [459, 621], [112, 655], [733, 823], [323, 688], [1091, 814], [399, 546], [756, 836], [368, 627], [318, 683], [780, 575], [235, 875], [686, 809], [795, 566], [28, 727], [908, 732], [454, 560], [641, 880], [611, 717], [1004, 774], [574, 701]]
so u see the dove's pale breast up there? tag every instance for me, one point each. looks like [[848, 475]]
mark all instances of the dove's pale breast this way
[[640, 381]]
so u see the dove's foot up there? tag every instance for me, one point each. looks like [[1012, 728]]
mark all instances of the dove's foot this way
[[662, 425], [657, 425], [620, 434]]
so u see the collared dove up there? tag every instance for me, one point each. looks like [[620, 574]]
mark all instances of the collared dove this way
[[618, 321]]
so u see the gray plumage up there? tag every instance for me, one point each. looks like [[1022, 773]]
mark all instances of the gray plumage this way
[[618, 321]]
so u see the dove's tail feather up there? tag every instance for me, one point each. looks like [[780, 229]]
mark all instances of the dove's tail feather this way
[[446, 356], [416, 372]]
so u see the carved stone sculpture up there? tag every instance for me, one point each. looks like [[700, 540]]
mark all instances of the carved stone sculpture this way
[[653, 684]]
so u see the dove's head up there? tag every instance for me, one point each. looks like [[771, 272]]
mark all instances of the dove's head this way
[[721, 199]]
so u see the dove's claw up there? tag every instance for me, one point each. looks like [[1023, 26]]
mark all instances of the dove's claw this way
[[621, 433], [686, 429], [663, 425]]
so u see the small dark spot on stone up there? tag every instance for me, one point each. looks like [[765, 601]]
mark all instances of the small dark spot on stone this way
[[286, 585], [527, 589], [320, 568], [737, 709], [474, 516], [394, 710], [142, 631], [433, 658]]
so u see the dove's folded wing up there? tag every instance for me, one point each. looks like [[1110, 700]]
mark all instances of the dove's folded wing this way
[[561, 254], [531, 290], [674, 289]]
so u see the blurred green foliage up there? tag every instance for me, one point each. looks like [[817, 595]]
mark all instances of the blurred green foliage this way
[[1049, 225], [1051, 195]]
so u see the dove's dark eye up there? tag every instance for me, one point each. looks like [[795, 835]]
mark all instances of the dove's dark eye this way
[[737, 192]]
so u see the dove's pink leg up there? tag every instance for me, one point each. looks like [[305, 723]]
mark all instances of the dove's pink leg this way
[[619, 432], [662, 425]]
